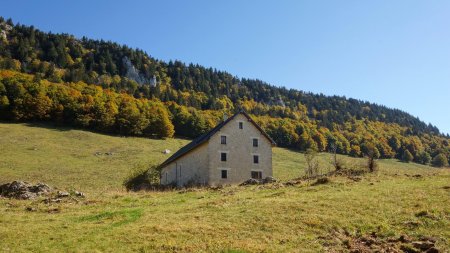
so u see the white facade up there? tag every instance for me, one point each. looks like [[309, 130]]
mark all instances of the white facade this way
[[233, 152]]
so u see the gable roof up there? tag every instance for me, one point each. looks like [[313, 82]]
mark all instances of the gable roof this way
[[205, 137]]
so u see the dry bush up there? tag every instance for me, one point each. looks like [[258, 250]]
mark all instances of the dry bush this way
[[352, 169], [337, 162], [312, 164], [372, 164], [372, 153]]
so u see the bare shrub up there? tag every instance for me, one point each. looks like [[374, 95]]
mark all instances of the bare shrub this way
[[372, 164], [372, 153], [337, 162], [355, 168], [312, 164]]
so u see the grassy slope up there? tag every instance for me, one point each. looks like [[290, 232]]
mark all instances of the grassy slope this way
[[66, 158], [240, 218]]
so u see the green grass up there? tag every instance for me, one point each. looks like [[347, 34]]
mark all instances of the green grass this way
[[120, 217], [233, 219], [64, 157]]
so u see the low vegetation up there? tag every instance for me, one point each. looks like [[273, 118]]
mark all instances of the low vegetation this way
[[400, 205], [145, 178]]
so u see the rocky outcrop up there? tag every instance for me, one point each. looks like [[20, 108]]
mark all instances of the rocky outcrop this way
[[24, 190], [253, 181], [4, 30], [133, 73]]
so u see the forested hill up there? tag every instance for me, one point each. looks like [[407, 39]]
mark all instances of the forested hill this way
[[108, 64], [196, 96]]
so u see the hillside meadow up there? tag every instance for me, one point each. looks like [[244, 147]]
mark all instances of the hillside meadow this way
[[400, 199]]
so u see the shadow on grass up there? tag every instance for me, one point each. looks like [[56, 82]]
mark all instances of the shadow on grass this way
[[115, 218], [62, 127], [65, 128]]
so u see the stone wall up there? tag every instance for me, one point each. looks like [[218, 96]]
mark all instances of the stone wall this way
[[240, 151], [190, 168]]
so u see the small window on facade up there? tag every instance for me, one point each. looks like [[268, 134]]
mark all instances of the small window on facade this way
[[241, 125], [223, 157], [224, 173], [255, 142], [223, 139], [255, 159], [256, 174]]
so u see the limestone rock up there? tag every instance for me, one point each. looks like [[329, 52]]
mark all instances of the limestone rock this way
[[63, 194], [269, 180], [23, 190]]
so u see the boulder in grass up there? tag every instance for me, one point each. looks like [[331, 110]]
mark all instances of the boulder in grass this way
[[269, 180], [41, 188], [79, 194], [63, 194], [23, 190], [250, 181]]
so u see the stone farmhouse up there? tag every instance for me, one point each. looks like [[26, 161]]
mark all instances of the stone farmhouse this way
[[235, 150]]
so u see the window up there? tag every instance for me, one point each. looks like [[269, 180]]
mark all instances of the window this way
[[256, 174], [241, 125], [224, 174], [255, 142], [256, 159], [223, 139], [223, 157]]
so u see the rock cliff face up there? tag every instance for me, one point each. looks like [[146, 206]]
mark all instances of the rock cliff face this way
[[133, 73], [4, 29]]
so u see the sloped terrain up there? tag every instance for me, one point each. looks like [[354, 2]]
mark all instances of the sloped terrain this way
[[399, 201]]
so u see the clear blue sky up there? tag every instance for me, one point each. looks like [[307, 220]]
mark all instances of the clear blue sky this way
[[395, 53]]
